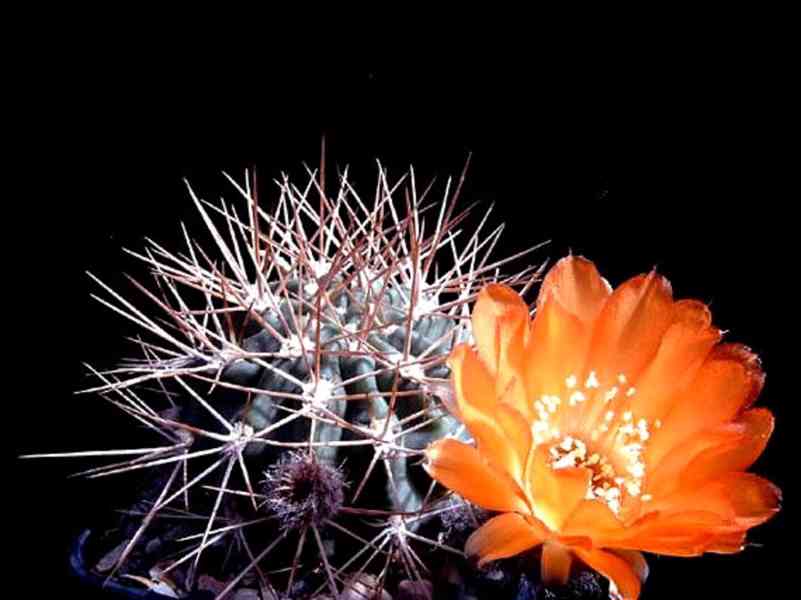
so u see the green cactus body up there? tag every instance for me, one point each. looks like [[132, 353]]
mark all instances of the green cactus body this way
[[373, 364]]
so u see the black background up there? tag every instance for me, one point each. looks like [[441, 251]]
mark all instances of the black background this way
[[105, 132]]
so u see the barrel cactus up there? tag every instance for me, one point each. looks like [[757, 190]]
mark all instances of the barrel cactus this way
[[295, 362]]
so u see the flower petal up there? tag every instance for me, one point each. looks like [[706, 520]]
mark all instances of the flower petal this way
[[709, 518], [571, 296], [503, 536], [516, 396], [593, 519], [753, 500], [744, 499], [500, 323], [479, 409], [614, 568], [706, 455], [664, 476], [755, 428], [570, 299], [558, 348], [684, 347], [556, 492], [684, 533], [461, 468], [728, 382], [631, 326], [636, 561], [728, 543], [556, 562], [576, 285], [518, 437], [501, 432], [473, 384], [626, 338]]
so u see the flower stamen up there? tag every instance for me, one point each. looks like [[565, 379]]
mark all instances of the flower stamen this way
[[618, 468]]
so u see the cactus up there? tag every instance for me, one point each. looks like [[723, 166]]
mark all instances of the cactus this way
[[296, 372]]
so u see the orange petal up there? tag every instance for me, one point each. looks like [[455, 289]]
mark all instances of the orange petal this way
[[755, 427], [518, 437], [706, 455], [664, 475], [626, 338], [460, 468], [472, 382], [593, 519], [728, 543], [745, 498], [630, 326], [750, 363], [684, 346], [556, 492], [496, 449], [636, 561], [614, 568], [477, 404], [569, 302], [728, 381], [705, 519], [513, 339], [576, 285], [558, 348], [685, 533], [503, 536], [499, 319], [556, 562], [516, 395]]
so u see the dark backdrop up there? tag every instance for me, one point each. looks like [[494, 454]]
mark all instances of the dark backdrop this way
[[104, 141]]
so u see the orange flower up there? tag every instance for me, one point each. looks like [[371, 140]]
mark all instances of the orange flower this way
[[613, 422]]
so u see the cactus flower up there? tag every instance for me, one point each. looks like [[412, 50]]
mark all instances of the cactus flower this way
[[613, 422]]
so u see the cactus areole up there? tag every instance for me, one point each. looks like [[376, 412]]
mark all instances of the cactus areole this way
[[291, 368]]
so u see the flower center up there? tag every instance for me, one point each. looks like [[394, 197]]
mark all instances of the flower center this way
[[596, 429], [606, 485]]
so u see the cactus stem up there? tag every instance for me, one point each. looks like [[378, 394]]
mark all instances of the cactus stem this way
[[315, 332]]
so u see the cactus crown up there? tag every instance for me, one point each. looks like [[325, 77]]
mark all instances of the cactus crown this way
[[309, 343]]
